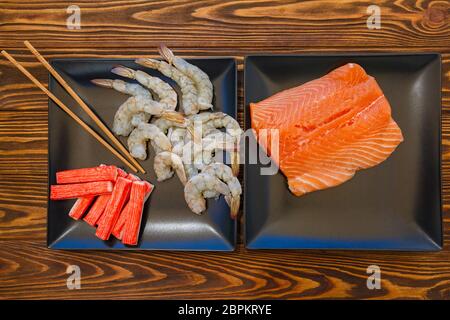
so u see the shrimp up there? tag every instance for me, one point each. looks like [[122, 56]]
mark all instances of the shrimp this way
[[191, 153], [201, 154], [137, 141], [217, 141], [141, 117], [225, 174], [132, 89], [209, 122], [218, 136], [226, 121], [164, 163], [187, 87], [197, 124], [206, 116], [196, 187], [190, 169], [167, 96], [199, 77], [125, 115], [177, 137], [164, 124], [233, 128]]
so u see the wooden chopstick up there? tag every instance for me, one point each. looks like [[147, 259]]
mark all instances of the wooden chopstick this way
[[83, 105], [67, 110]]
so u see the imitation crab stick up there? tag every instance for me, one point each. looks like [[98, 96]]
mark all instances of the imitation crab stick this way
[[80, 207], [80, 190], [121, 173], [101, 173], [118, 199], [133, 223], [118, 227], [97, 209], [124, 216]]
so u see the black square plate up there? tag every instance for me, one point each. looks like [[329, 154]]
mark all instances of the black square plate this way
[[393, 206], [168, 224]]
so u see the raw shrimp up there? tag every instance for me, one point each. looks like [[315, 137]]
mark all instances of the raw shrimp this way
[[167, 96], [226, 121], [198, 124], [190, 170], [177, 137], [164, 163], [187, 87], [198, 185], [206, 116], [202, 154], [124, 117], [132, 89], [224, 173], [233, 128], [137, 142], [218, 136], [141, 117], [217, 140], [165, 124], [200, 78]]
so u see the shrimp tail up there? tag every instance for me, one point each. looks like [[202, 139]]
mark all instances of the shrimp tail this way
[[182, 176], [234, 204], [190, 129], [173, 116], [166, 53], [235, 163], [123, 71], [146, 62], [105, 83]]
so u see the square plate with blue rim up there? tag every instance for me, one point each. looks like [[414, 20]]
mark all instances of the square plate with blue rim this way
[[395, 205], [167, 223]]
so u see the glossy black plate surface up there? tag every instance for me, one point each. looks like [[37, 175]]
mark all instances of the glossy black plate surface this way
[[393, 206], [168, 224]]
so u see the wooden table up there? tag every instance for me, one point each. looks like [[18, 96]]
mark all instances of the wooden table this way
[[129, 29]]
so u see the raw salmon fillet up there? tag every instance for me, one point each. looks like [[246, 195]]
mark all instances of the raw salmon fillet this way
[[328, 128]]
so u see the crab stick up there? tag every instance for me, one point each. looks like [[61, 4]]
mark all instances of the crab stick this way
[[124, 216], [118, 227], [112, 211], [101, 173], [97, 209], [137, 198], [80, 207], [80, 190]]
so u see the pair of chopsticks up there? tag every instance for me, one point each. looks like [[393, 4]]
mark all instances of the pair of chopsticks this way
[[131, 162]]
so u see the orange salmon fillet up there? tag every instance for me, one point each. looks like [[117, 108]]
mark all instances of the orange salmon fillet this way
[[328, 128]]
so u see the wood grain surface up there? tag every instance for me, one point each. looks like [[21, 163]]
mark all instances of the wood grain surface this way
[[131, 28]]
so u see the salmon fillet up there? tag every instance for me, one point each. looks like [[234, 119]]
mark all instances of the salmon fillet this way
[[328, 128]]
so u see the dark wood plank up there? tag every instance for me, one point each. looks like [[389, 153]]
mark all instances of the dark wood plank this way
[[203, 28], [242, 275], [245, 26]]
